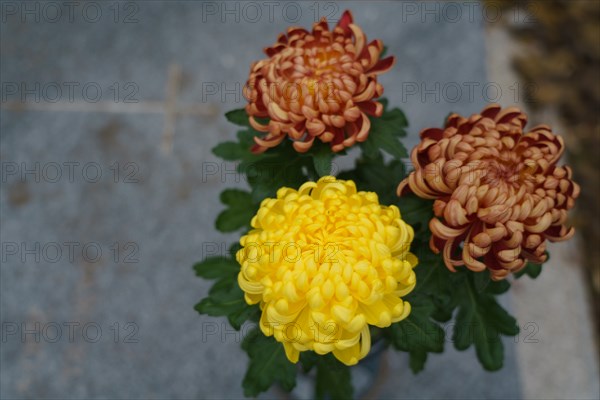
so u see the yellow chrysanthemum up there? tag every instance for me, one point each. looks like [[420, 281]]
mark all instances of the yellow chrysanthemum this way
[[325, 262]]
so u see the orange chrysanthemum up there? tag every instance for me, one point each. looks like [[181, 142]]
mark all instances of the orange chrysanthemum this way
[[317, 84], [497, 190]]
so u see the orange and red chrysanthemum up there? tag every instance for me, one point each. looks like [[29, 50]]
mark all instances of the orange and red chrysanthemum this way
[[318, 84], [497, 190]]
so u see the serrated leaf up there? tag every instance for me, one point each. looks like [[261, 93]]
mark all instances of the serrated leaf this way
[[394, 119], [268, 365], [233, 249], [239, 213], [498, 287], [531, 270], [238, 117], [216, 267], [415, 211], [375, 175], [480, 321], [417, 360], [435, 281], [333, 379], [246, 138], [322, 161], [226, 299], [240, 150], [385, 133], [418, 331], [370, 149], [230, 151], [234, 197], [268, 175], [308, 359], [482, 280], [389, 143]]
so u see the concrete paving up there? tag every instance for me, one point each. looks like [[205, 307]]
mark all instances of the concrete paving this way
[[77, 324]]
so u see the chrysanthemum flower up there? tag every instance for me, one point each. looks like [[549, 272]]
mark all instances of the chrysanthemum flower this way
[[325, 262], [317, 84], [497, 190]]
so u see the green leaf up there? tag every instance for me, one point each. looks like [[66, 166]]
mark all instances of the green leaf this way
[[385, 133], [308, 359], [216, 267], [226, 299], [240, 150], [482, 280], [279, 167], [268, 365], [230, 151], [480, 321], [498, 287], [418, 334], [246, 139], [417, 360], [233, 249], [370, 149], [333, 379], [239, 213], [387, 142], [238, 117], [531, 270], [322, 161], [435, 281], [418, 331], [375, 175], [415, 211]]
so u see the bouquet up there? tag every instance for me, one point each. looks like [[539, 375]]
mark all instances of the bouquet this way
[[328, 267]]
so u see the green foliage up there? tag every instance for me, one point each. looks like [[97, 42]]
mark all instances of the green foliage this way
[[417, 213], [417, 361], [375, 175], [308, 359], [240, 210], [227, 302], [217, 268], [385, 134], [438, 296], [333, 379], [480, 321], [322, 158], [497, 287], [238, 117], [418, 334], [531, 270], [225, 298], [437, 282], [481, 280], [279, 167], [268, 365]]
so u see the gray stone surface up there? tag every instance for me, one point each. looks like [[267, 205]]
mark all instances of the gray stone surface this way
[[168, 212]]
